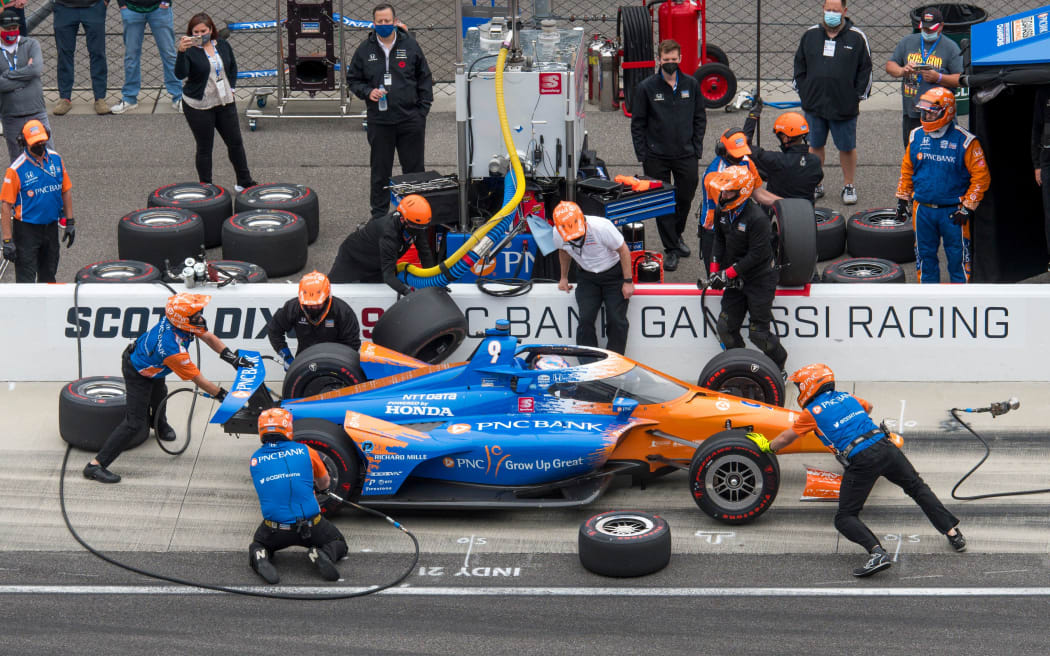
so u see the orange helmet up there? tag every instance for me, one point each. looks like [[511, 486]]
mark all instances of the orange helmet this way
[[184, 311], [733, 145], [791, 124], [731, 186], [315, 296], [936, 108], [415, 209], [811, 381], [275, 420], [569, 220]]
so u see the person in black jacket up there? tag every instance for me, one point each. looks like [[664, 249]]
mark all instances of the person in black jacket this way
[[1041, 151], [742, 263], [389, 72], [794, 172], [209, 72], [832, 76], [317, 317], [667, 126], [371, 252]]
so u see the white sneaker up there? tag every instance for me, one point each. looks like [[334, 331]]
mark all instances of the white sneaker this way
[[849, 195], [177, 105], [122, 107], [819, 191]]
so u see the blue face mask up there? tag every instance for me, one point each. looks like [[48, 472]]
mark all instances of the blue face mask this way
[[384, 31], [930, 37], [832, 18], [205, 38]]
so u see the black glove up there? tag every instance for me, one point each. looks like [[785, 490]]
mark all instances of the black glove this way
[[70, 231], [756, 108], [10, 252], [718, 280], [236, 360], [220, 395], [903, 210], [962, 216]]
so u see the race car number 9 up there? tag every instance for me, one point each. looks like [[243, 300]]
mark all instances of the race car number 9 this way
[[494, 349]]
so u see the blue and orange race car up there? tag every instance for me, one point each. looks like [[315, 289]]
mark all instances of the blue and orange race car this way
[[526, 425]]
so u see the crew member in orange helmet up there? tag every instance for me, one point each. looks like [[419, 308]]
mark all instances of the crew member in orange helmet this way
[[317, 317]]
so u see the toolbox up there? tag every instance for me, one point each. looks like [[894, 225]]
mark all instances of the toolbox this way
[[620, 204]]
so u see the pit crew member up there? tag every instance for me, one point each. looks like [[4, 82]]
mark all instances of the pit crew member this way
[[285, 473], [794, 172], [943, 179], [841, 421], [1041, 151], [742, 263], [146, 362], [371, 252], [316, 316], [604, 264]]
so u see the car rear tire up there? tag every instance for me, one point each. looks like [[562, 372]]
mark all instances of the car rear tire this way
[[831, 233], [745, 373], [90, 408], [126, 271], [731, 480], [241, 272], [273, 239], [879, 233], [295, 198], [339, 455], [212, 203], [717, 84], [157, 234], [794, 227], [426, 325], [624, 543], [323, 367], [864, 269]]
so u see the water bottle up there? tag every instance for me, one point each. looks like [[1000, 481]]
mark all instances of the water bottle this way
[[382, 99]]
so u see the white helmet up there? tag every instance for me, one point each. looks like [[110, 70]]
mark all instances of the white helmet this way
[[549, 362]]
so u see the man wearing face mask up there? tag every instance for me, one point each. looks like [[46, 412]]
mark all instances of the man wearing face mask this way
[[317, 317], [389, 72], [36, 199], [832, 75], [923, 61], [668, 122], [21, 93]]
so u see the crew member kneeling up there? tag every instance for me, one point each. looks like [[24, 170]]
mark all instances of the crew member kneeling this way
[[284, 473], [317, 317]]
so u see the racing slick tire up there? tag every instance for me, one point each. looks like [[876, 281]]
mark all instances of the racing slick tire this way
[[89, 409], [339, 456], [273, 239], [295, 198], [212, 203], [746, 373], [240, 272], [624, 543], [157, 234], [731, 480], [717, 84], [118, 271], [794, 230], [426, 325], [879, 233], [863, 269], [831, 233], [323, 367]]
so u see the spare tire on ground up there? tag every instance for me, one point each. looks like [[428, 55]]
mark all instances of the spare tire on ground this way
[[212, 203], [241, 272], [118, 271], [879, 233], [624, 543], [831, 233], [296, 198], [160, 233], [794, 227], [273, 239], [746, 373], [89, 409], [426, 325], [864, 269], [323, 367]]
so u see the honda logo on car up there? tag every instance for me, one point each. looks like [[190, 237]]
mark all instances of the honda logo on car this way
[[393, 408]]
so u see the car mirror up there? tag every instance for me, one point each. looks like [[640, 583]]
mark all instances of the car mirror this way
[[623, 406]]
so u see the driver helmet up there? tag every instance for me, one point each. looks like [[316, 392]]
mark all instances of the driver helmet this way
[[415, 209], [315, 296], [275, 422], [811, 381], [936, 109], [570, 223], [730, 187], [185, 312], [550, 362]]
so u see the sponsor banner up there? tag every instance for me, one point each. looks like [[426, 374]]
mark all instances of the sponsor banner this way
[[864, 332]]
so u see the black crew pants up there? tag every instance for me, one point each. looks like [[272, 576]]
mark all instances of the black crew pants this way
[[755, 298], [685, 172], [1046, 202], [37, 256], [592, 291], [204, 123], [884, 459], [142, 397], [408, 138], [324, 535]]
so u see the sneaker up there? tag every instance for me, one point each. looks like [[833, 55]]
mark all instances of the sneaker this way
[[100, 474], [121, 107], [62, 107], [239, 188], [324, 564], [819, 191], [671, 261], [101, 108], [878, 560], [849, 195], [957, 541], [264, 568], [177, 105]]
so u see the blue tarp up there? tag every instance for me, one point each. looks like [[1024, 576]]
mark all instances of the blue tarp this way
[[1019, 39]]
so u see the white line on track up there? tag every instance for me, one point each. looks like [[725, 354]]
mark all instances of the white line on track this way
[[539, 591]]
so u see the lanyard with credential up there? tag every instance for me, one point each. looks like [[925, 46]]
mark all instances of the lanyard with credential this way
[[922, 49], [218, 66], [12, 60]]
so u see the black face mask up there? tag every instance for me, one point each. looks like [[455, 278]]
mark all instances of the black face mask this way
[[37, 149], [670, 67], [198, 321], [315, 313]]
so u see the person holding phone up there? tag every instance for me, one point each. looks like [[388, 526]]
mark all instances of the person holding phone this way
[[208, 69]]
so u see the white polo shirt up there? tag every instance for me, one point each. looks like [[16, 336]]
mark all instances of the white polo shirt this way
[[599, 246]]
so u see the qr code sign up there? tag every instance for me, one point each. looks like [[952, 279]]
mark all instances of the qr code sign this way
[[1024, 28]]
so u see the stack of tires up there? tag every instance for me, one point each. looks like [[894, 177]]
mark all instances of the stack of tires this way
[[877, 242], [272, 227]]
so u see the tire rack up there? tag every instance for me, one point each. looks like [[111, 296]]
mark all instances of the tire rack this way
[[285, 96]]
